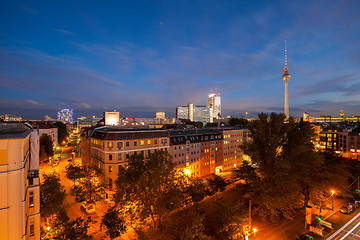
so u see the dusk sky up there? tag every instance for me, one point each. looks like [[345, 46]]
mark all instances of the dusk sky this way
[[140, 57]]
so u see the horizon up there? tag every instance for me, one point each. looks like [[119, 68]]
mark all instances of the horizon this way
[[144, 57]]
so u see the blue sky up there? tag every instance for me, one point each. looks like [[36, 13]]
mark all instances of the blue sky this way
[[140, 57]]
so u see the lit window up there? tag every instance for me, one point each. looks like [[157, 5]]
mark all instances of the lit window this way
[[110, 144], [31, 199], [142, 142], [149, 141], [110, 169]]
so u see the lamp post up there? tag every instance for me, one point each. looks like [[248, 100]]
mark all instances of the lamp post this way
[[332, 200]]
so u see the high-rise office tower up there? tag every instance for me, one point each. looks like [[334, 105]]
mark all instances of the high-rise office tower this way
[[286, 77], [214, 102]]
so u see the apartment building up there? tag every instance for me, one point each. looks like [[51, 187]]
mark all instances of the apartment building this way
[[19, 182], [232, 153], [111, 147]]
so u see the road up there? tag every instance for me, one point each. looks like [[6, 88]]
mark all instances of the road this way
[[72, 207], [350, 231]]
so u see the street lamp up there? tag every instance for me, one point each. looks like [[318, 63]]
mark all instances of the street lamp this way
[[248, 234], [332, 200]]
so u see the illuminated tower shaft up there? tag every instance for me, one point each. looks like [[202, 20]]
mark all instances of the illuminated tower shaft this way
[[286, 77]]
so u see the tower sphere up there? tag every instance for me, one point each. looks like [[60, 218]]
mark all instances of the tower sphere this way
[[286, 76]]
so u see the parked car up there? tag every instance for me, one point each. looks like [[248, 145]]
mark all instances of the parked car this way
[[305, 237], [88, 207], [347, 209]]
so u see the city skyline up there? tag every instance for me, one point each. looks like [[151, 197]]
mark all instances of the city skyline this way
[[140, 58]]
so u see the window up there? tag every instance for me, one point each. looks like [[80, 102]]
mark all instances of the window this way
[[110, 182], [119, 145], [135, 143], [31, 199], [127, 155], [32, 228], [110, 169], [110, 144], [127, 144], [142, 142], [149, 142], [119, 156], [110, 157], [156, 141]]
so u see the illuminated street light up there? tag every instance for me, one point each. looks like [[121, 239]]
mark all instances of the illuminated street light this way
[[332, 200], [187, 171], [48, 228]]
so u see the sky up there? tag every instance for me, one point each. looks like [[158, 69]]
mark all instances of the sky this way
[[140, 57]]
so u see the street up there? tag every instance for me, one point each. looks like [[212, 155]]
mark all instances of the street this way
[[72, 207], [349, 231]]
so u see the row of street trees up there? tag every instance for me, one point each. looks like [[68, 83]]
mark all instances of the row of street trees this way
[[59, 225], [148, 191], [285, 166]]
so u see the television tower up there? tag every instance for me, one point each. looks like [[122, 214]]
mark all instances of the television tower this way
[[286, 77]]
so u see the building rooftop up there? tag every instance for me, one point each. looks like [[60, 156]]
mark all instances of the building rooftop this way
[[13, 130], [120, 133]]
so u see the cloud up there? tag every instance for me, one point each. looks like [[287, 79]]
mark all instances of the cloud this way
[[33, 102], [63, 31], [82, 105]]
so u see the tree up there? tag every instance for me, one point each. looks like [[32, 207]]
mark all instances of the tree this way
[[52, 194], [62, 131], [46, 146], [150, 188], [239, 122], [197, 190], [63, 228], [246, 171], [274, 187], [233, 219], [115, 226], [217, 183], [74, 172], [89, 188]]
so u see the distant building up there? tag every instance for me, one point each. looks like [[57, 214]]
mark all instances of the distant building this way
[[83, 122], [46, 127], [306, 117], [19, 182], [10, 118], [111, 118], [160, 115], [65, 115], [214, 102], [194, 113]]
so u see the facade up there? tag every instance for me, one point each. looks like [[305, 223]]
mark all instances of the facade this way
[[46, 127], [194, 113], [111, 147], [214, 103], [196, 151], [111, 118], [83, 122], [232, 153], [160, 115], [65, 115], [19, 182]]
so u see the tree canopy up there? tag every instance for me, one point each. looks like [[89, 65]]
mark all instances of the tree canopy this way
[[150, 188], [46, 146], [285, 164], [52, 194]]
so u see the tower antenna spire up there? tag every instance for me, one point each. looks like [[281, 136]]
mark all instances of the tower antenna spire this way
[[285, 56]]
